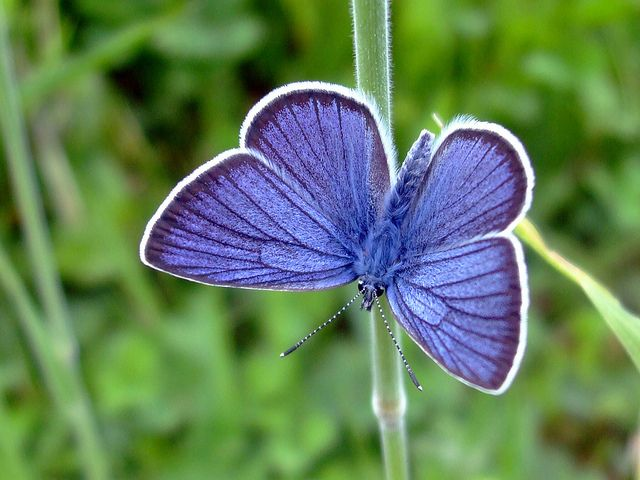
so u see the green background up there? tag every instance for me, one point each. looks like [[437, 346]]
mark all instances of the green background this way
[[123, 99]]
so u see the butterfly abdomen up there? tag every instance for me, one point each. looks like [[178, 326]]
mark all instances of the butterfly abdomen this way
[[409, 178]]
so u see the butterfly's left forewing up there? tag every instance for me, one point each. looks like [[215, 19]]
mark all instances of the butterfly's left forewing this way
[[460, 290], [286, 210]]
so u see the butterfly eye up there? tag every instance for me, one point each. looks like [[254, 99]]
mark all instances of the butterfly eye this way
[[379, 290], [360, 286]]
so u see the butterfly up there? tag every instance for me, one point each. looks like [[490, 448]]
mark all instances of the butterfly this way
[[310, 201]]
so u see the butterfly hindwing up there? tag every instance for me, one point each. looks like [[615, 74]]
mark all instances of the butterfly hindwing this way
[[464, 307]]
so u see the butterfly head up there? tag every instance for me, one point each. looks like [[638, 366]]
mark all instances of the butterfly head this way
[[370, 290]]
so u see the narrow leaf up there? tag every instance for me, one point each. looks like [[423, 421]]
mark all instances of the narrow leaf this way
[[190, 39], [624, 324]]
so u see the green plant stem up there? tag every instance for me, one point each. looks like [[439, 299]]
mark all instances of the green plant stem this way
[[57, 344], [371, 39], [30, 321], [64, 385], [26, 194], [371, 43], [53, 162], [636, 452]]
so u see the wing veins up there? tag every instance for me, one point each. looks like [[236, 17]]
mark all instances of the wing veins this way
[[302, 199], [330, 234], [236, 214], [473, 332], [275, 269], [284, 135], [288, 168], [473, 170], [210, 271], [195, 250], [434, 262], [304, 134], [181, 230], [455, 282], [324, 141], [264, 212], [491, 192], [475, 297], [225, 206], [480, 182], [488, 358], [455, 309], [431, 339], [443, 348], [459, 227], [288, 276]]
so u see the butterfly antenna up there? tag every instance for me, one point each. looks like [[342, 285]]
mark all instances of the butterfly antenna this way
[[395, 342], [320, 327]]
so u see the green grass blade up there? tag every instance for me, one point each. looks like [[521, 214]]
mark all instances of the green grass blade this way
[[63, 383], [624, 324], [60, 343], [12, 458]]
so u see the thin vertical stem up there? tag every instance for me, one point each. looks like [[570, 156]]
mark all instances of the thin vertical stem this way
[[64, 385], [371, 38], [373, 75], [27, 198], [57, 344]]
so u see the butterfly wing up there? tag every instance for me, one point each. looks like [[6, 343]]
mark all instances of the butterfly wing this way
[[461, 290], [478, 182], [465, 307], [330, 142], [246, 220]]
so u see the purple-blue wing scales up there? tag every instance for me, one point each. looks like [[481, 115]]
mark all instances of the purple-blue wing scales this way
[[236, 222], [465, 307], [330, 145], [478, 183], [460, 290]]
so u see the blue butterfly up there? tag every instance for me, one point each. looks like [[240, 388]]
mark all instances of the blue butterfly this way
[[309, 201]]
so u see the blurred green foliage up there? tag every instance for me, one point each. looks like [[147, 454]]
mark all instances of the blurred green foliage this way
[[125, 98]]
